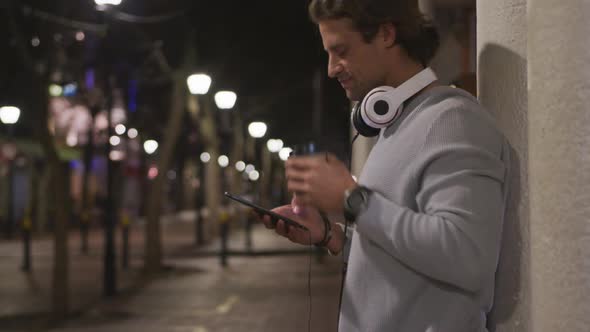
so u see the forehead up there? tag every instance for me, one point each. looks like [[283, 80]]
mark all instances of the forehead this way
[[335, 32]]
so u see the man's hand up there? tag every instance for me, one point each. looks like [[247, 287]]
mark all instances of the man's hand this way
[[308, 217], [319, 181]]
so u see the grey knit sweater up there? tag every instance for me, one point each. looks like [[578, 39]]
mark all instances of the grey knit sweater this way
[[424, 253]]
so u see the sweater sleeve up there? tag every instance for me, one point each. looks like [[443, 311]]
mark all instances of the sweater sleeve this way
[[454, 236]]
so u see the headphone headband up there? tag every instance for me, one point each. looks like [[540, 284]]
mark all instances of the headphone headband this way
[[383, 105]]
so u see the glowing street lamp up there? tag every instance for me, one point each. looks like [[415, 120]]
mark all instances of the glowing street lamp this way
[[150, 146], [284, 153], [223, 161], [274, 145], [205, 157], [120, 129], [132, 133], [55, 90], [249, 168], [254, 175], [116, 140], [80, 36], [107, 2], [198, 84], [257, 129], [240, 166], [103, 5], [225, 100], [9, 114]]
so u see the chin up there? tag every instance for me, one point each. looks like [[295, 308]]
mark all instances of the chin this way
[[351, 95]]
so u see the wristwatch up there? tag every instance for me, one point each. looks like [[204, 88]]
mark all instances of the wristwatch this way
[[355, 202]]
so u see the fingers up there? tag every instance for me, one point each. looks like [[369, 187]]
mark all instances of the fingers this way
[[285, 210], [292, 233], [282, 228], [267, 221], [300, 188], [300, 163], [296, 175]]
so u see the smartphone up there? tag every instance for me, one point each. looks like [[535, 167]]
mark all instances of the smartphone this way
[[274, 217]]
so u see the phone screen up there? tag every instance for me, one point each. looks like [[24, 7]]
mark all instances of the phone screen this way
[[273, 215]]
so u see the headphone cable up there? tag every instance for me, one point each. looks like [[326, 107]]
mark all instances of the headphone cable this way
[[344, 263]]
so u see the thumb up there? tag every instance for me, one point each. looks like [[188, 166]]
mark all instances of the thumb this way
[[296, 205], [285, 210]]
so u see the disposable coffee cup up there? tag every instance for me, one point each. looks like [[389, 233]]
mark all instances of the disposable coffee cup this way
[[304, 149], [300, 150]]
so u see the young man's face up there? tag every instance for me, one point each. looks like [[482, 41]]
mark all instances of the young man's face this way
[[356, 64]]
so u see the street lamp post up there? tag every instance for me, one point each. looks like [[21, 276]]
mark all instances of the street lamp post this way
[[224, 100], [199, 84], [258, 130], [273, 146], [110, 280], [9, 116]]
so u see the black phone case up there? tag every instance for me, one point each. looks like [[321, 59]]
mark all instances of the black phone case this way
[[260, 210]]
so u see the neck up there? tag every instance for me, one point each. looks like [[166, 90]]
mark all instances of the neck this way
[[404, 70]]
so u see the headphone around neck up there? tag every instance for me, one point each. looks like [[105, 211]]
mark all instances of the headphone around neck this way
[[384, 104]]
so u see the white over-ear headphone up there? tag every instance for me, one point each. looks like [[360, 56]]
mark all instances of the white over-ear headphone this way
[[383, 105]]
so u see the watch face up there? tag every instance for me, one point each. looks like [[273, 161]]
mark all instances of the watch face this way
[[355, 202], [356, 199]]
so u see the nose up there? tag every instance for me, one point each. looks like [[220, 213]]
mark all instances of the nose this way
[[334, 68]]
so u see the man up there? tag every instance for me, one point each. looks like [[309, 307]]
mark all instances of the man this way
[[428, 207]]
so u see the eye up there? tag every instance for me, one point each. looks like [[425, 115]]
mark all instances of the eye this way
[[341, 52]]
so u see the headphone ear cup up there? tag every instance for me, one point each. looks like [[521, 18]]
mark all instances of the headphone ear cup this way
[[381, 107], [360, 125]]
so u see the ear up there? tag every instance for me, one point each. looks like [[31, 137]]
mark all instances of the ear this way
[[388, 34]]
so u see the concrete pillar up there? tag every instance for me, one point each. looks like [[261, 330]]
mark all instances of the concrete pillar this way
[[559, 140], [502, 89]]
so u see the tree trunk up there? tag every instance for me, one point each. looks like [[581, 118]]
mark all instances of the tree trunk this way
[[38, 84], [208, 129], [57, 189], [153, 243], [86, 206], [60, 295], [237, 154]]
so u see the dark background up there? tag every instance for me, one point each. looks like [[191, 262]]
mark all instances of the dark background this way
[[268, 52]]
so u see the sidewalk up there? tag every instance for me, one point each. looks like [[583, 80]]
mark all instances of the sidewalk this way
[[194, 294]]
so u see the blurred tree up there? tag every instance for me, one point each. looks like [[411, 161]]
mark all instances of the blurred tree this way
[[153, 237], [37, 74]]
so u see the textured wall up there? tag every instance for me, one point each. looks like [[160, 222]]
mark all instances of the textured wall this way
[[502, 89], [447, 61], [559, 140]]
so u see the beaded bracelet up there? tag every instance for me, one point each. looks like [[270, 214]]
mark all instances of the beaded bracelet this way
[[327, 231]]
